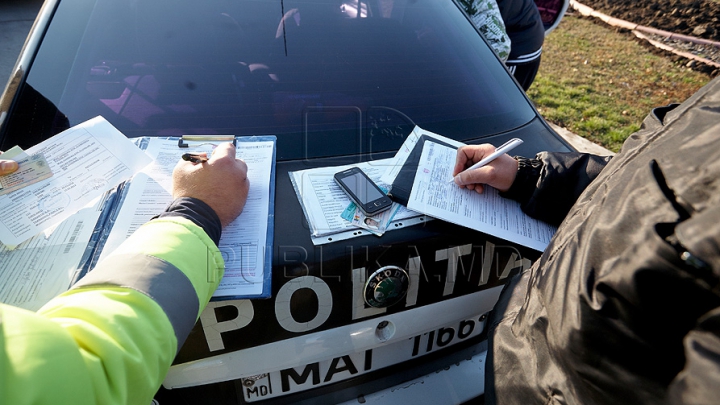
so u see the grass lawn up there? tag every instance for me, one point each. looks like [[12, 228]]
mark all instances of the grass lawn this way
[[600, 83]]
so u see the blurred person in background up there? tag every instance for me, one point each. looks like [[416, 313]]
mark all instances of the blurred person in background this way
[[514, 30]]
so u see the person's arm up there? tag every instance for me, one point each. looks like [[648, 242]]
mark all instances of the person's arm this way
[[485, 14], [546, 186], [112, 337]]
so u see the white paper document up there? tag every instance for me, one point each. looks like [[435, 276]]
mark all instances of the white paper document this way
[[86, 160], [396, 163], [488, 212], [44, 266], [324, 201], [243, 241]]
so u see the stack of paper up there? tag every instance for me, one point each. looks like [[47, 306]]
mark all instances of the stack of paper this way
[[47, 225], [488, 212], [246, 244], [324, 202], [54, 230], [427, 191]]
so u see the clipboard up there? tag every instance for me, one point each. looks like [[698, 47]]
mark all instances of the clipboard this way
[[402, 186], [116, 199]]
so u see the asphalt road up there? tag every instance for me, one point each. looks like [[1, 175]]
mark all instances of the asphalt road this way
[[16, 19]]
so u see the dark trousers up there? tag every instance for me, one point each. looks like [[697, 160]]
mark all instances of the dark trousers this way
[[524, 69]]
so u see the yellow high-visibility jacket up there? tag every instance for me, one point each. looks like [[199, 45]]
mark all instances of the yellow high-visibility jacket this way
[[111, 338]]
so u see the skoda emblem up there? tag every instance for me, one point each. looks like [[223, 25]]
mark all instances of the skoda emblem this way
[[386, 286]]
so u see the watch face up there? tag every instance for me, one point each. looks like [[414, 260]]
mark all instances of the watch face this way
[[386, 286]]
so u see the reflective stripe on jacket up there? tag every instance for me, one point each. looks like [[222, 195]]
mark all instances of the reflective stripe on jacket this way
[[112, 337]]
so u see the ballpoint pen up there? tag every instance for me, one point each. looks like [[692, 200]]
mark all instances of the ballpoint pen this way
[[190, 157], [504, 148]]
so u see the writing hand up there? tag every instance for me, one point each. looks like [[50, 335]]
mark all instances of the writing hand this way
[[221, 182], [500, 173]]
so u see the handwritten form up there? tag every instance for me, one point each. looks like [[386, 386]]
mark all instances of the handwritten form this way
[[488, 212], [396, 163], [243, 241], [86, 160]]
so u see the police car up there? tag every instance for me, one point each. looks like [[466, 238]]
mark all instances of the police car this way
[[337, 82]]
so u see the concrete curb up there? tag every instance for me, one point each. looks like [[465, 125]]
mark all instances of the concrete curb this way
[[637, 29], [580, 143]]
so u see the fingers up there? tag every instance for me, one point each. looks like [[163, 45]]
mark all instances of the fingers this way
[[469, 154], [7, 166], [483, 175], [499, 173], [224, 155], [224, 151], [221, 182], [477, 187], [461, 160]]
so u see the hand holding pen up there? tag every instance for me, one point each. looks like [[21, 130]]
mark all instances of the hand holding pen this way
[[195, 158], [477, 165], [220, 181]]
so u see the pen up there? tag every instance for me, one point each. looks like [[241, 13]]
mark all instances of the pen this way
[[504, 148], [190, 157]]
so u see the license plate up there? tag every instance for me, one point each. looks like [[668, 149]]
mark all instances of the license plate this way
[[318, 374]]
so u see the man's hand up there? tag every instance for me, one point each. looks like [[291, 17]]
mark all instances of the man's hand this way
[[7, 166], [221, 182], [500, 173]]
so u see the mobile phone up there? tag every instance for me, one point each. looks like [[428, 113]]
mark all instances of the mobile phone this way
[[363, 191]]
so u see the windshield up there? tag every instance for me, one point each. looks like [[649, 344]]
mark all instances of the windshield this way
[[327, 77]]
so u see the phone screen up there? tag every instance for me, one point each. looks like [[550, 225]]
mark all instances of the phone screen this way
[[361, 187]]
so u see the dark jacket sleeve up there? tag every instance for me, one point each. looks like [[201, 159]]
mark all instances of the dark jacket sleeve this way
[[198, 212], [549, 185]]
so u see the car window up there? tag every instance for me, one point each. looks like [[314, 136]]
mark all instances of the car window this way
[[327, 77]]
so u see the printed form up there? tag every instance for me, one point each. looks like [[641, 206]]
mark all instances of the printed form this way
[[86, 160], [396, 163], [488, 212], [324, 201], [42, 267], [243, 241]]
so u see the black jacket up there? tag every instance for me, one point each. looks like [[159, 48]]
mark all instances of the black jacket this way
[[623, 307], [524, 26]]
